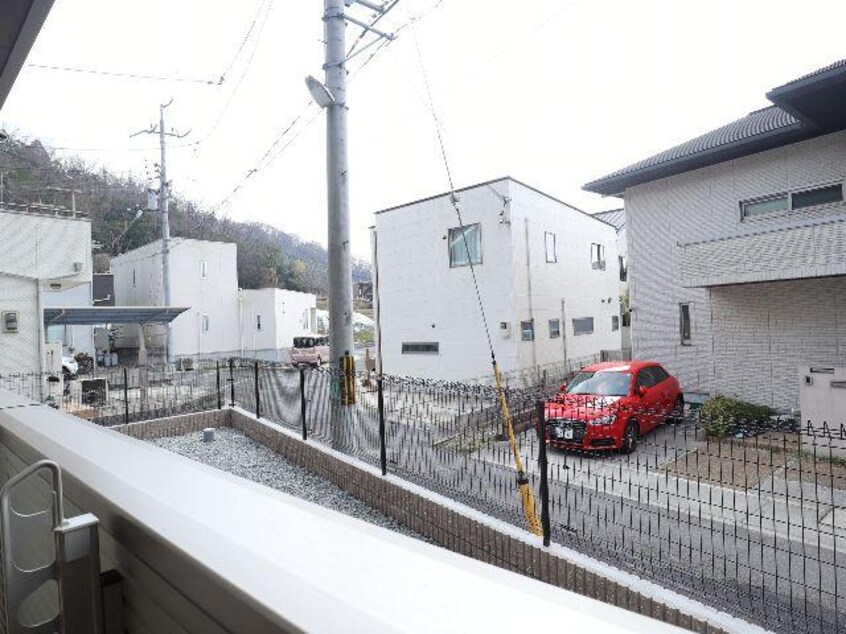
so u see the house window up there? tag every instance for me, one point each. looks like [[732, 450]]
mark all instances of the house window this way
[[624, 268], [133, 278], [597, 256], [685, 329], [627, 319], [819, 196], [428, 347], [258, 322], [765, 206], [792, 201], [551, 247], [527, 330], [615, 322], [204, 269], [205, 323], [465, 245], [554, 328], [583, 326]]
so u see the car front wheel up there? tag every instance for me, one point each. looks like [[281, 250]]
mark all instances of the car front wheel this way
[[630, 437]]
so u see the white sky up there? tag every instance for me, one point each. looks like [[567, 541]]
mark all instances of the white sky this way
[[553, 92]]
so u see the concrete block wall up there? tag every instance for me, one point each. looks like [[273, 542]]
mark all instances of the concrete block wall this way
[[456, 527]]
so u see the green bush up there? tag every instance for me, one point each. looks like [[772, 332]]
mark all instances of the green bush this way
[[721, 415]]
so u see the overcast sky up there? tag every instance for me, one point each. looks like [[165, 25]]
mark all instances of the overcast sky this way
[[553, 92]]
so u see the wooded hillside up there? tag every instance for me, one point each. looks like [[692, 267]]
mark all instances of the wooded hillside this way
[[266, 255]]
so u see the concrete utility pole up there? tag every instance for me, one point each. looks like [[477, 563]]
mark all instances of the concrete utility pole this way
[[163, 200], [337, 174], [333, 97]]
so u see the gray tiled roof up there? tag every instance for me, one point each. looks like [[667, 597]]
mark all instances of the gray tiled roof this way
[[819, 71], [754, 124], [805, 107], [616, 217]]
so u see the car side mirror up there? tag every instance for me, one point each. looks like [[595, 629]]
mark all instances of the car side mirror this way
[[642, 390]]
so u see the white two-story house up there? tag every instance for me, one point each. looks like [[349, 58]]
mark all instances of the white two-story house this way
[[546, 272], [204, 278], [737, 246]]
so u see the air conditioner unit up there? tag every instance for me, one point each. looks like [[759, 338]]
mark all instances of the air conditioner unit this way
[[600, 265]]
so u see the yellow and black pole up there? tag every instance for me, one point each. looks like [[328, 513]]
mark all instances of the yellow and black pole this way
[[528, 498]]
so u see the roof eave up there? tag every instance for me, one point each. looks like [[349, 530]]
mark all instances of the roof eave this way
[[616, 186], [27, 33]]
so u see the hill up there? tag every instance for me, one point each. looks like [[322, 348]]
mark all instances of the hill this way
[[267, 256]]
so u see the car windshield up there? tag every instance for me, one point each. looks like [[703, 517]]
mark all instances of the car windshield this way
[[304, 342], [600, 383]]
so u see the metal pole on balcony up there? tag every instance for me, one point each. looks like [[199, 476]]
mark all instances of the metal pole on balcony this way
[[383, 450], [303, 403], [258, 399], [217, 375], [543, 465], [232, 382], [125, 397]]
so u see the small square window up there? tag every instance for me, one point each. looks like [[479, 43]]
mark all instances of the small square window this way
[[204, 269], [133, 277], [554, 328], [685, 326], [205, 323], [615, 322], [551, 247], [465, 245], [527, 330], [583, 326], [258, 322]]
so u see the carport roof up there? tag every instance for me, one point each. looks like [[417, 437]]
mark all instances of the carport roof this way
[[96, 315]]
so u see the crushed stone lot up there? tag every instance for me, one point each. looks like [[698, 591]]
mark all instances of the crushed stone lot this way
[[232, 451]]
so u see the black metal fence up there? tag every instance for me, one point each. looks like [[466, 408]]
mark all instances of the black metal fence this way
[[746, 515]]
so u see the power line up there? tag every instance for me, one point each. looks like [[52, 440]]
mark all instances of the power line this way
[[108, 73], [243, 41], [269, 5]]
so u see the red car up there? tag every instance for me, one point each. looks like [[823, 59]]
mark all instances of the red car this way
[[611, 405]]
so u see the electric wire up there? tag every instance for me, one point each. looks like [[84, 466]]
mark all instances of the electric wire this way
[[107, 73], [243, 42]]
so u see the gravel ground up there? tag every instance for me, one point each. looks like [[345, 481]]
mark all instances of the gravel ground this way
[[232, 451]]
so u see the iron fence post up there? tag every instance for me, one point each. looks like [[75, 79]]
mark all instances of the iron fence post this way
[[125, 397], [544, 470], [383, 450], [217, 376], [303, 403], [232, 382], [256, 381]]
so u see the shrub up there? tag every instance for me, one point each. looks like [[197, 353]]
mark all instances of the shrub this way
[[722, 415]]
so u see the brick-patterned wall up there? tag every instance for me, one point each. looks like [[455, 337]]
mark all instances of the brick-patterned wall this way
[[703, 205], [175, 425]]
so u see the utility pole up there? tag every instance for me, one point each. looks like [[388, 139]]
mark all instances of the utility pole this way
[[163, 205], [332, 96]]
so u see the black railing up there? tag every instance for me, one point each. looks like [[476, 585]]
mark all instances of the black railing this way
[[748, 516]]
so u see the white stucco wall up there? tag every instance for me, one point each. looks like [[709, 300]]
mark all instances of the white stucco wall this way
[[215, 295], [567, 289], [285, 314], [43, 247], [74, 339], [422, 299], [704, 204]]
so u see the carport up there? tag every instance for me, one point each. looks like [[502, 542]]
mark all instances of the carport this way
[[102, 315]]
